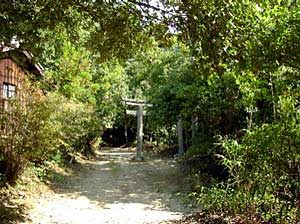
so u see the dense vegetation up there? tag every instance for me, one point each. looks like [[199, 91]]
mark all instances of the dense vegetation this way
[[228, 69]]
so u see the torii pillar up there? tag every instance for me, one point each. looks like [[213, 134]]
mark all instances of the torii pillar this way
[[139, 132], [139, 113]]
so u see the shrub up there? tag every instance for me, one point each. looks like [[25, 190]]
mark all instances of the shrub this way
[[40, 127], [28, 133], [79, 126], [266, 170]]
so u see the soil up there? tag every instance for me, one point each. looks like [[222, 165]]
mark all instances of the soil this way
[[115, 189]]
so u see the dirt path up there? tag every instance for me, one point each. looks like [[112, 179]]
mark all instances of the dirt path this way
[[112, 190]]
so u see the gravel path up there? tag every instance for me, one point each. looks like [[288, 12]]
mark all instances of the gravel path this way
[[114, 190]]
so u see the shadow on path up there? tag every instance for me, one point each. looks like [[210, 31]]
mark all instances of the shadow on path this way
[[10, 213]]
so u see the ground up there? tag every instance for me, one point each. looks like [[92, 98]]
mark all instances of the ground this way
[[114, 189]]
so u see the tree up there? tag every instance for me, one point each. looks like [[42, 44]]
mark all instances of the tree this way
[[118, 25]]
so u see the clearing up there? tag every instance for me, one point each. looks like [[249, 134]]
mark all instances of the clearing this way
[[114, 189]]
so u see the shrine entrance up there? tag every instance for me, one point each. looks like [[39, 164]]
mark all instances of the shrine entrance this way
[[139, 113]]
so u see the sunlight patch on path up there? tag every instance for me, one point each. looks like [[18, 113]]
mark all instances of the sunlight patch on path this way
[[81, 211]]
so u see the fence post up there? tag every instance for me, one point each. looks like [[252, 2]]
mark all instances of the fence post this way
[[195, 135], [180, 137]]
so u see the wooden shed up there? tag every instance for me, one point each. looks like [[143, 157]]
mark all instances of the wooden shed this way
[[15, 65]]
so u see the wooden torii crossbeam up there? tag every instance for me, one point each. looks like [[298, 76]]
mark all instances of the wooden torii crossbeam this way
[[139, 113]]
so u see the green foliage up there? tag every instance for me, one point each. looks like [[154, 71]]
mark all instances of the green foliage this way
[[205, 148], [78, 123], [39, 127], [263, 163], [168, 79], [118, 24], [28, 134], [75, 73], [244, 76], [71, 71], [265, 167], [233, 74], [111, 81], [240, 34], [218, 198], [164, 79]]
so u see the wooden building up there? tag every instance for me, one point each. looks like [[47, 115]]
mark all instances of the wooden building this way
[[15, 66]]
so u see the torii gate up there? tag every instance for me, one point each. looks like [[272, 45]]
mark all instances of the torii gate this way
[[139, 113]]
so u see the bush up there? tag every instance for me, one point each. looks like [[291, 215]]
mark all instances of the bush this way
[[28, 133], [266, 170], [39, 127], [79, 126]]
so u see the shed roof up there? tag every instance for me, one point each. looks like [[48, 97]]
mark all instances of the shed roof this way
[[24, 59]]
